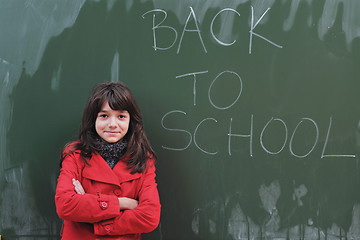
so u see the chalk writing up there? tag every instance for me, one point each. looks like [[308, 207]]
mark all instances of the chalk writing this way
[[253, 26], [326, 142], [195, 132], [292, 138], [262, 134], [192, 16], [212, 28], [159, 25], [250, 132], [237, 97], [194, 87], [250, 136], [226, 115], [175, 130]]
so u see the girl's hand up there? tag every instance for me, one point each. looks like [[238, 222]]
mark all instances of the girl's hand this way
[[127, 203], [78, 187]]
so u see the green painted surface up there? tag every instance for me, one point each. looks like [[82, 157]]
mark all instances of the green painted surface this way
[[256, 140]]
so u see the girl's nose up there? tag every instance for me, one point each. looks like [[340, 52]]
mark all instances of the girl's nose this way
[[112, 122]]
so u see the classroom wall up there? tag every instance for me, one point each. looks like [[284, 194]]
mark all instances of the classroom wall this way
[[251, 107]]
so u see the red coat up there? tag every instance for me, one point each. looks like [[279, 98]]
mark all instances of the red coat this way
[[96, 214]]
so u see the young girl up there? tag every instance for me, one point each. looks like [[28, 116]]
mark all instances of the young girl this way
[[106, 188]]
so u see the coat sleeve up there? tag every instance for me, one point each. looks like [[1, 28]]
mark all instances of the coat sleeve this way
[[75, 207], [144, 218]]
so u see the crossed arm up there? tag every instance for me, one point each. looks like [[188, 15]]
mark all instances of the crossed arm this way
[[124, 202], [109, 214]]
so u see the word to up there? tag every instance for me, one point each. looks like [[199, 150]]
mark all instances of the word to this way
[[288, 136]]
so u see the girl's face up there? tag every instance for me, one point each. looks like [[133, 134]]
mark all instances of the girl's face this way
[[112, 125]]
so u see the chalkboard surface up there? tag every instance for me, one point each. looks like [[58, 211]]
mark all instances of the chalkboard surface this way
[[251, 106]]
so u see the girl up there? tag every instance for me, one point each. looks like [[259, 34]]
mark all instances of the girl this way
[[106, 188]]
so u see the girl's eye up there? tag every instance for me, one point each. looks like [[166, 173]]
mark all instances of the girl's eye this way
[[102, 115], [121, 116]]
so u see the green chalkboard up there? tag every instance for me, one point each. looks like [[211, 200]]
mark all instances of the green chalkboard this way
[[251, 106]]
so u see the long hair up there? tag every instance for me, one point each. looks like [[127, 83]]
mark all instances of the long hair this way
[[119, 97]]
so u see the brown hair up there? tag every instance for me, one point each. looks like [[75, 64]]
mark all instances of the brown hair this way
[[119, 97]]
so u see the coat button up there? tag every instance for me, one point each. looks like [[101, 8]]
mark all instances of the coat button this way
[[107, 228], [103, 205], [117, 192]]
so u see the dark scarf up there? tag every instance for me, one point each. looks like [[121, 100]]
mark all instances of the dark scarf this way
[[111, 152]]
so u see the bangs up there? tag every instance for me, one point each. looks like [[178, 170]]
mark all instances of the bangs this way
[[116, 100]]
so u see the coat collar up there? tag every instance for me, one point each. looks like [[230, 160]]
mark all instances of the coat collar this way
[[100, 171]]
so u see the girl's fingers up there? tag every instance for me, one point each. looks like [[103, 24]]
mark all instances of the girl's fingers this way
[[78, 188], [78, 191]]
